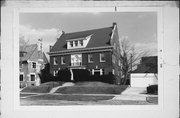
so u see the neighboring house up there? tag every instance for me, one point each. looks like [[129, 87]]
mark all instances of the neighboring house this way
[[31, 61], [146, 72], [97, 50]]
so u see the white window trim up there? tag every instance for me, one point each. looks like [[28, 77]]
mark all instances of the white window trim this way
[[62, 60], [98, 70], [101, 57], [113, 71], [89, 61], [55, 72]]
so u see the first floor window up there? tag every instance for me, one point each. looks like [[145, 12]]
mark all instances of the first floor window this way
[[62, 60], [102, 57], [55, 61], [90, 58], [113, 59], [113, 71], [119, 63], [32, 77], [21, 77], [55, 72]]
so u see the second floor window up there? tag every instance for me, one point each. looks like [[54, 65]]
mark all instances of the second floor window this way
[[55, 62], [62, 60], [33, 64], [102, 57], [90, 58]]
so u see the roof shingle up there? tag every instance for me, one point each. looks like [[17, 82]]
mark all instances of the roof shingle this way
[[100, 37]]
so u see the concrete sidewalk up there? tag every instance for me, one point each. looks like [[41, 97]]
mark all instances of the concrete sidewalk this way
[[134, 93]]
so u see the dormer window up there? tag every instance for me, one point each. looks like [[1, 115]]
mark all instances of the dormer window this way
[[81, 42], [78, 42], [71, 43]]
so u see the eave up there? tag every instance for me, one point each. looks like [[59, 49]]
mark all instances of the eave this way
[[82, 50]]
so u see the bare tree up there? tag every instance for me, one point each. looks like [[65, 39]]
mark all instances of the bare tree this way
[[130, 57]]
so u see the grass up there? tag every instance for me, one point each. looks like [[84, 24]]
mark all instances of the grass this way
[[78, 88], [43, 88], [70, 97], [92, 88], [24, 95]]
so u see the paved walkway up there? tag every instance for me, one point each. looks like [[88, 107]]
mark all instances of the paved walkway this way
[[134, 93]]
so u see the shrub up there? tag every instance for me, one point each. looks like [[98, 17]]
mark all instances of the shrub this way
[[45, 75], [81, 75], [152, 89], [63, 75]]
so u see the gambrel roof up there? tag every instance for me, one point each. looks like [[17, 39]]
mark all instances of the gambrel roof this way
[[99, 38]]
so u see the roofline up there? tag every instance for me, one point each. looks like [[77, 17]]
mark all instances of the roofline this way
[[82, 38], [82, 50]]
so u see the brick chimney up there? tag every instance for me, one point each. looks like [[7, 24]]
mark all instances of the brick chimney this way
[[114, 24], [60, 33], [50, 47]]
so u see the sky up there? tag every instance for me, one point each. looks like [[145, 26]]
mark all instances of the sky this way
[[139, 27]]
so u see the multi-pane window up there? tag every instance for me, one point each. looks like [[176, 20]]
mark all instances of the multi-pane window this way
[[62, 60], [33, 64], [76, 43], [32, 77], [21, 77], [71, 43], [102, 57], [55, 62], [90, 58], [81, 42]]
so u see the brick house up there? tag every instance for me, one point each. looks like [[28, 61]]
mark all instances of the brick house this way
[[31, 61], [96, 50]]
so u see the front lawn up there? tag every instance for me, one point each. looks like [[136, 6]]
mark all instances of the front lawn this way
[[43, 88], [92, 88], [70, 97]]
